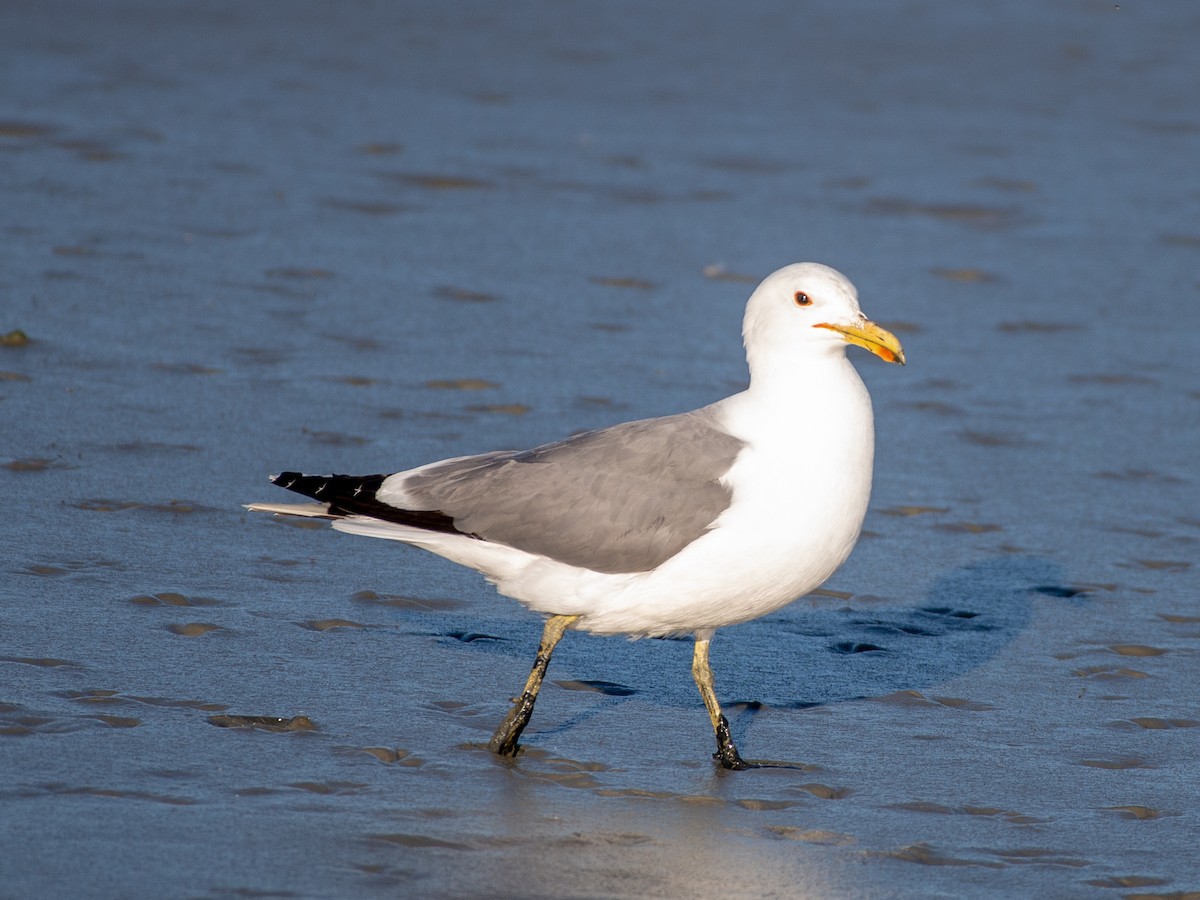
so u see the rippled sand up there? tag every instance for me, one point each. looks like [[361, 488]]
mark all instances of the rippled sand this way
[[239, 238]]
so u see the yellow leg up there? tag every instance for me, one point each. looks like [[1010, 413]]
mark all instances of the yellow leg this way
[[504, 741], [726, 754]]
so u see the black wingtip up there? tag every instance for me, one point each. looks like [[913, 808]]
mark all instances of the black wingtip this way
[[354, 495], [290, 481]]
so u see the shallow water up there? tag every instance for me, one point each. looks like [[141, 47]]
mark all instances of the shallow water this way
[[244, 238]]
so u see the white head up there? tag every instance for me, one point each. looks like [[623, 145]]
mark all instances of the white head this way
[[807, 311]]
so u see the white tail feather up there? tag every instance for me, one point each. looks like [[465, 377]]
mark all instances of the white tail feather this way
[[308, 510]]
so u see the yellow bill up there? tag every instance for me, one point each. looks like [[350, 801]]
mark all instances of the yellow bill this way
[[871, 337]]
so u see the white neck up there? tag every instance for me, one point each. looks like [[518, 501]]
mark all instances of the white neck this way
[[818, 379], [794, 401]]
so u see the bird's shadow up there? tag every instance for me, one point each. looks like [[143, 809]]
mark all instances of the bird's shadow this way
[[807, 656]]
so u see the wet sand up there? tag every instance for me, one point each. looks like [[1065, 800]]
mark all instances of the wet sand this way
[[243, 238]]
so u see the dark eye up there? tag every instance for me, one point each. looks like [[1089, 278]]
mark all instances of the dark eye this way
[[802, 299]]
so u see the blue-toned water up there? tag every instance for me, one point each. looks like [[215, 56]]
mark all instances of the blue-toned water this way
[[242, 238]]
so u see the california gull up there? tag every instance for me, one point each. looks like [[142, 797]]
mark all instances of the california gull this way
[[661, 527]]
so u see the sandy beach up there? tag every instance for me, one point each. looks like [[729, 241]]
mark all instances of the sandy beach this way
[[237, 239]]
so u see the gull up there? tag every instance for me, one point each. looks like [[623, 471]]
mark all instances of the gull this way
[[662, 527]]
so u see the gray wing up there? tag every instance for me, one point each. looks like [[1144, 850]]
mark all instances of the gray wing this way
[[621, 499]]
